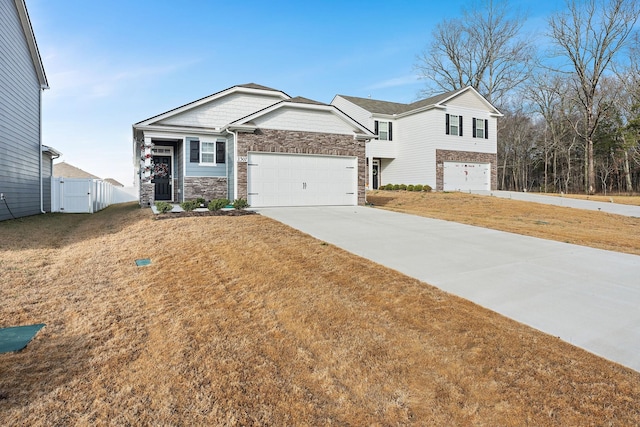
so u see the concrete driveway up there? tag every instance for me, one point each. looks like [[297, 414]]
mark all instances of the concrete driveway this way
[[587, 297], [614, 208]]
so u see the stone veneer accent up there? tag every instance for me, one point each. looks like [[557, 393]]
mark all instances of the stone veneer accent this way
[[146, 194], [208, 188], [294, 142], [465, 156]]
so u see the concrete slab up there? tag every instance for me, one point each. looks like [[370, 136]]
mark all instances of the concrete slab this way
[[587, 297], [614, 208]]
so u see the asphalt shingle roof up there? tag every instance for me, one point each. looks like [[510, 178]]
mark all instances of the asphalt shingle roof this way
[[390, 108]]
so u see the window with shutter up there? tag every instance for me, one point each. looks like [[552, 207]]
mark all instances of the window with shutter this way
[[454, 124], [478, 128]]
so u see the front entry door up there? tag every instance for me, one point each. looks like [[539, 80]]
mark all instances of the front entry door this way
[[376, 173], [162, 177]]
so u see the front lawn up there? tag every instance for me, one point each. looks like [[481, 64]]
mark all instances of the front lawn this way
[[244, 321]]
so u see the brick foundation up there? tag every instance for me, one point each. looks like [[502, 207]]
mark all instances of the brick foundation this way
[[146, 194], [208, 188], [464, 156]]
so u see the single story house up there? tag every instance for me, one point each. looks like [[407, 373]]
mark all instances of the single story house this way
[[252, 142], [448, 141], [25, 163]]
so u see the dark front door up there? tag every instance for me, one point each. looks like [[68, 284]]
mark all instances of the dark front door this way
[[162, 177], [376, 173]]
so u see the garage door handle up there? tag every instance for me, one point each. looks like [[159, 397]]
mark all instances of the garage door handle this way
[[304, 185]]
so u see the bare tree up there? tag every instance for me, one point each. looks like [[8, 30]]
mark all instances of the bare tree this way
[[482, 49], [590, 34]]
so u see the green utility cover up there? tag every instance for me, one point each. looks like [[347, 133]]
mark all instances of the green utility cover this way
[[17, 337], [142, 262]]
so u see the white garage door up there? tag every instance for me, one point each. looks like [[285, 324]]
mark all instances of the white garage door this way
[[301, 180], [460, 176]]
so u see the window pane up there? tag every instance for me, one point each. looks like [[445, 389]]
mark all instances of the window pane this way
[[207, 152], [383, 131], [479, 128], [453, 125]]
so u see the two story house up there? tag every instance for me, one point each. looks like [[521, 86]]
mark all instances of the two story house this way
[[448, 141], [25, 163]]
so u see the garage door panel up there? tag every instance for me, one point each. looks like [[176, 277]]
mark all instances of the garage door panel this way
[[276, 179], [465, 176]]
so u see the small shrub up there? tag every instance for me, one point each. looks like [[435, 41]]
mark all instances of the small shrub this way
[[396, 186], [427, 188], [240, 204], [403, 187], [163, 207], [217, 204], [189, 205], [390, 187], [418, 187], [200, 202], [410, 187]]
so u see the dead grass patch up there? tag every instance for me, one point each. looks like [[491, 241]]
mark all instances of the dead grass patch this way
[[581, 227], [241, 320]]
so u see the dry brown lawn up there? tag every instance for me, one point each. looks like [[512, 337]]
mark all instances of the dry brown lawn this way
[[587, 228], [244, 321]]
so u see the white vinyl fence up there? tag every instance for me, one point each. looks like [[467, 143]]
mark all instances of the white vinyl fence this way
[[82, 195]]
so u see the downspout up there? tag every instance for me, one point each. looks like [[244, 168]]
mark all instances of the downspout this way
[[235, 162], [40, 92]]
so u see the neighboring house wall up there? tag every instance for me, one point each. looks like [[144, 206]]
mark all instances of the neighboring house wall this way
[[357, 113], [420, 143], [20, 89]]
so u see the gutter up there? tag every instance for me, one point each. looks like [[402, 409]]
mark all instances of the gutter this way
[[235, 161], [40, 92]]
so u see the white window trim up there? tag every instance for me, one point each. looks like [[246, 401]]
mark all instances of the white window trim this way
[[214, 163], [386, 123], [479, 127], [454, 123]]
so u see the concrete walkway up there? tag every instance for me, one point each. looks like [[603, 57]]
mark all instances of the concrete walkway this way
[[587, 297], [614, 208]]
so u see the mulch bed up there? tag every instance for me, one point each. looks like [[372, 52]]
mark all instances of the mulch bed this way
[[234, 212]]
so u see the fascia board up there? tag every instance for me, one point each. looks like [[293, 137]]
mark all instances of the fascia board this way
[[206, 99], [25, 22], [490, 107], [177, 130]]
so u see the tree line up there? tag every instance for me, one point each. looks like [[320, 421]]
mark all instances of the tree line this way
[[570, 92]]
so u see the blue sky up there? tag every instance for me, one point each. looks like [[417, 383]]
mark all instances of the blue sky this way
[[114, 63]]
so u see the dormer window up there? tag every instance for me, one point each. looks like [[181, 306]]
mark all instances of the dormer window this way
[[384, 130]]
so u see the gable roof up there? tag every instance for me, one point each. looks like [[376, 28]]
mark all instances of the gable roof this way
[[247, 87], [394, 108], [361, 131], [27, 29], [65, 170]]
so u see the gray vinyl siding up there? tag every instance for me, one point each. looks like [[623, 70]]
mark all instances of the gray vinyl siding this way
[[196, 169], [19, 119]]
